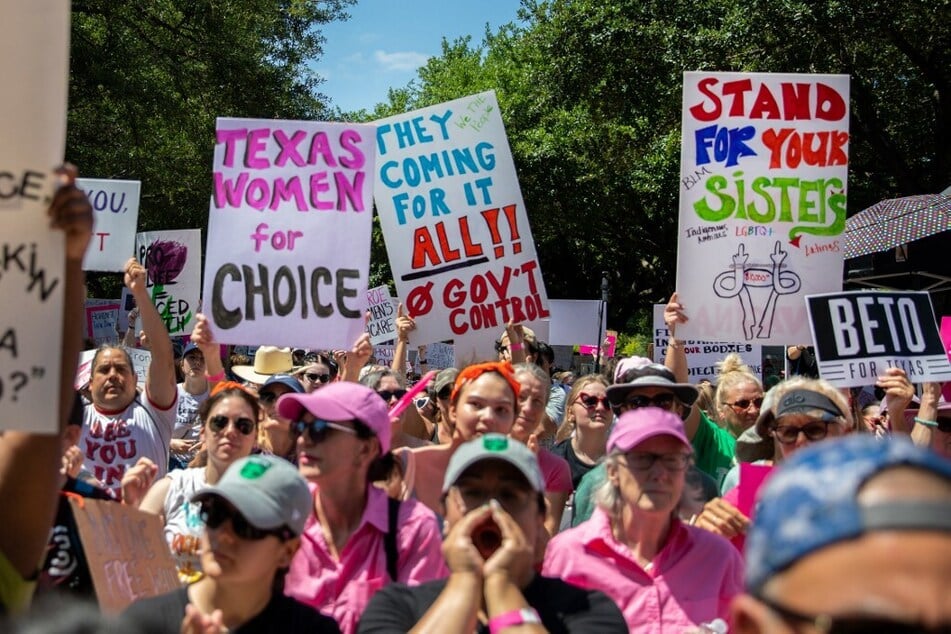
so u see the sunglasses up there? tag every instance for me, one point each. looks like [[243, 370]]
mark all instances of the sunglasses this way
[[853, 624], [644, 461], [214, 513], [590, 401], [313, 377], [637, 401], [386, 395], [501, 347], [744, 403], [318, 430], [788, 434], [218, 423], [445, 393]]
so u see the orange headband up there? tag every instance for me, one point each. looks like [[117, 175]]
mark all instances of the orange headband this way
[[473, 372], [221, 386]]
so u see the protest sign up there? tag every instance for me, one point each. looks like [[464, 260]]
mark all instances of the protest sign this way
[[384, 355], [440, 355], [703, 356], [34, 62], [288, 250], [141, 359], [609, 343], [858, 334], [946, 342], [764, 163], [382, 307], [457, 234], [126, 304], [101, 318], [172, 260], [126, 552], [575, 321], [115, 205], [84, 368]]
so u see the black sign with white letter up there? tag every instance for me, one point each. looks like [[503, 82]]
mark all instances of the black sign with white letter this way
[[859, 334]]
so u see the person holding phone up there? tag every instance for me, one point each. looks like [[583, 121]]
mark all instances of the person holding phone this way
[[493, 499]]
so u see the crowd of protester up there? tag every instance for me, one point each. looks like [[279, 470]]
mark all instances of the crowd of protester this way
[[508, 496]]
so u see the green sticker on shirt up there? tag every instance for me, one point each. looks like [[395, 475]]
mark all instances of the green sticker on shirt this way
[[495, 443]]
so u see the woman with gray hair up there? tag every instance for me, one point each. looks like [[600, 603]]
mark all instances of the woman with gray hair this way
[[659, 571]]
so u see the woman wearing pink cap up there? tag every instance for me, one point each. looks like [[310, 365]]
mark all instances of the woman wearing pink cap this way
[[664, 575], [356, 539]]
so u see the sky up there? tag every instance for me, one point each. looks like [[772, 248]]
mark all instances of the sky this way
[[385, 41]]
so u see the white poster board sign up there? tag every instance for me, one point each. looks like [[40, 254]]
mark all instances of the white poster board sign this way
[[575, 321], [101, 320], [859, 334], [703, 356], [288, 252], [764, 165], [140, 363], [34, 63], [382, 308], [115, 204], [456, 230], [440, 355], [172, 260]]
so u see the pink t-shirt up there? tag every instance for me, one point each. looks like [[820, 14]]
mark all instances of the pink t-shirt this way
[[342, 589], [691, 581], [555, 471]]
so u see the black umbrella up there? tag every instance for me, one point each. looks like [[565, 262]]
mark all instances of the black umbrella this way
[[894, 222]]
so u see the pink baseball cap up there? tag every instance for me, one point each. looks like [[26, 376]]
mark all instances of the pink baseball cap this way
[[637, 425], [341, 401]]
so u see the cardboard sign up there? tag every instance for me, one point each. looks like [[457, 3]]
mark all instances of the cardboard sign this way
[[101, 318], [288, 251], [457, 234], [382, 308], [764, 165], [116, 207], [126, 551], [34, 64], [440, 356], [703, 356], [172, 260], [859, 334]]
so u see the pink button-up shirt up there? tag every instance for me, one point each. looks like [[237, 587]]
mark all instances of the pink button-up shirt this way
[[691, 580], [342, 589]]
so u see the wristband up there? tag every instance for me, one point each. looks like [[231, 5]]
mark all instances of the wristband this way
[[215, 377], [926, 423], [521, 616], [515, 346]]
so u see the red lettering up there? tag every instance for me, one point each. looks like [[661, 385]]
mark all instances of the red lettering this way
[[796, 101], [91, 447], [737, 89], [765, 104], [126, 449], [699, 112], [423, 248], [830, 105], [448, 254]]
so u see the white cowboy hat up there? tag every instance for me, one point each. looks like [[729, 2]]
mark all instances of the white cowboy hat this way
[[268, 360]]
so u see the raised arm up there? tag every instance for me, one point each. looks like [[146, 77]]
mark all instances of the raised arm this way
[[676, 358], [204, 338], [160, 381], [404, 324]]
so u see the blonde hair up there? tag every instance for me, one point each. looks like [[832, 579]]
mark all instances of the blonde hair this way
[[564, 431], [731, 373]]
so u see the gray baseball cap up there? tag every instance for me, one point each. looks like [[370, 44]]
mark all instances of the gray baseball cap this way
[[266, 490], [494, 447]]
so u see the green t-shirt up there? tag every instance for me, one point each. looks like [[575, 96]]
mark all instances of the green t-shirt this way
[[713, 449], [15, 591]]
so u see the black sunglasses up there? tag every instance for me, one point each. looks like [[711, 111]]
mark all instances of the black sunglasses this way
[[218, 423], [313, 377], [788, 434], [318, 430], [386, 395], [637, 401], [214, 513], [745, 403], [828, 624]]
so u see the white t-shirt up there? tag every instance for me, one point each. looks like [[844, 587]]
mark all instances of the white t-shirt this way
[[183, 525], [112, 442]]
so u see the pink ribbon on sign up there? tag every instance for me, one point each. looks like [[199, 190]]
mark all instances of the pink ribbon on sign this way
[[946, 340]]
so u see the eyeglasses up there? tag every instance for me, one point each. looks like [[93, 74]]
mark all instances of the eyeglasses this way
[[386, 395], [788, 434], [744, 403], [214, 513], [318, 430], [637, 401], [218, 423], [853, 624], [313, 377], [644, 460], [591, 401], [445, 393]]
